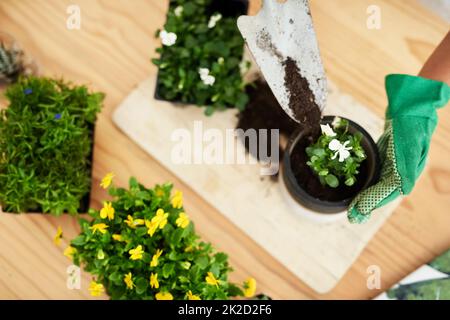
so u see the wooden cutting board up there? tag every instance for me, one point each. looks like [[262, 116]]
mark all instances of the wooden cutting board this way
[[319, 254]]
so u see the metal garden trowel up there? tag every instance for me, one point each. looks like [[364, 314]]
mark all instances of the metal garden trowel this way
[[281, 31]]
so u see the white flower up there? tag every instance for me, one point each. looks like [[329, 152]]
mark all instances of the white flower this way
[[203, 72], [209, 80], [341, 149], [336, 122], [326, 129], [178, 11], [168, 38], [206, 77], [213, 20]]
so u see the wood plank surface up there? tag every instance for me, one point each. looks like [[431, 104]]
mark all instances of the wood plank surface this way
[[111, 53]]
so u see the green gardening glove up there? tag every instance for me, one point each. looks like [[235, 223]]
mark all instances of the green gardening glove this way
[[411, 119]]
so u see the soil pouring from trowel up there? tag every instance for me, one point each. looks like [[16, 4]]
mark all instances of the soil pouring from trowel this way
[[328, 161]]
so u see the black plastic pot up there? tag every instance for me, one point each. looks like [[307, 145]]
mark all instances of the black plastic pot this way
[[228, 8], [366, 178]]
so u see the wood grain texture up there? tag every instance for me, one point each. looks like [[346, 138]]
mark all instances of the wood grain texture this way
[[111, 53]]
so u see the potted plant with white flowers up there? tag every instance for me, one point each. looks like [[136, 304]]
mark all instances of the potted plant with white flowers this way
[[143, 245], [201, 55], [324, 172]]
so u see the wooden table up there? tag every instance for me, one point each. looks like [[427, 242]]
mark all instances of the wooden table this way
[[111, 52]]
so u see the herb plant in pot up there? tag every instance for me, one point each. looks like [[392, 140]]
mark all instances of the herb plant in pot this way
[[201, 55], [46, 145], [13, 61], [143, 245], [321, 175]]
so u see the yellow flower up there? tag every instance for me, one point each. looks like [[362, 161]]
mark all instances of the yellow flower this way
[[160, 218], [210, 279], [192, 296], [182, 221], [69, 252], [136, 254], [96, 289], [58, 236], [163, 296], [152, 227], [107, 180], [100, 227], [177, 200], [117, 237], [128, 279], [155, 258], [107, 211], [249, 287], [158, 221], [154, 281], [133, 223]]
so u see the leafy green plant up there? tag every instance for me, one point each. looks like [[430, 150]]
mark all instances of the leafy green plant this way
[[336, 155], [142, 245], [200, 59], [46, 136]]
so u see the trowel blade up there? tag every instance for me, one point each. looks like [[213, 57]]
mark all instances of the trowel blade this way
[[279, 31]]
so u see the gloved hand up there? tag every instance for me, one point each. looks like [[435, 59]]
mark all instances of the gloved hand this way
[[411, 119]]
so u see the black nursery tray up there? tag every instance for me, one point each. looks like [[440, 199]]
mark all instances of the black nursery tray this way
[[229, 8]]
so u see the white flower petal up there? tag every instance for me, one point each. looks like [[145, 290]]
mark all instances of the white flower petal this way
[[345, 145], [327, 130], [178, 11], [168, 38], [334, 145], [203, 72], [213, 20], [336, 122], [209, 80], [343, 154]]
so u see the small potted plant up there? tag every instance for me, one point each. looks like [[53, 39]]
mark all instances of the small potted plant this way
[[143, 245], [324, 173], [201, 55], [13, 61], [46, 145]]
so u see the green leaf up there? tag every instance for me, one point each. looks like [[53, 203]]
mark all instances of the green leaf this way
[[78, 241], [350, 181], [141, 285], [168, 270], [332, 181], [116, 277], [234, 291], [202, 262]]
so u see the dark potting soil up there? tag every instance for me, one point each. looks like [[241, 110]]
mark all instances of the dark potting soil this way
[[301, 98], [309, 181], [264, 112], [307, 112]]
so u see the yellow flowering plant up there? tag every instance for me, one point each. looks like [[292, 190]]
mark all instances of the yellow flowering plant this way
[[142, 245]]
